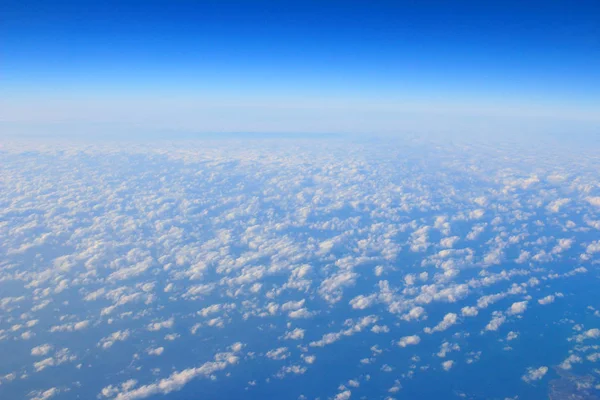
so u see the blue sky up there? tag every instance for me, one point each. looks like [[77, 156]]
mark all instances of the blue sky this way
[[300, 66]]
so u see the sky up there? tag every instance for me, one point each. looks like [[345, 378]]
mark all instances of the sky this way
[[299, 67]]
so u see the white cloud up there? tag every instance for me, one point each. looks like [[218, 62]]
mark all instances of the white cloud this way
[[469, 311], [517, 308], [41, 350], [497, 320], [70, 327], [345, 395], [547, 300], [447, 365], [415, 313], [595, 201], [117, 336], [280, 353], [448, 320], [572, 359], [361, 302], [593, 333], [309, 359], [157, 351], [556, 205], [534, 374], [156, 326], [409, 341], [45, 394], [296, 334], [179, 379], [449, 241]]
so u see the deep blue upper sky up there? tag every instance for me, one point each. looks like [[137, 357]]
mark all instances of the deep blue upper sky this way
[[540, 54]]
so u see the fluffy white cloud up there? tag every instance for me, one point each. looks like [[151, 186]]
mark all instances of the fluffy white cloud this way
[[409, 341], [157, 326], [497, 320], [361, 302], [156, 351], [295, 334], [41, 350], [547, 300], [415, 313], [447, 365], [179, 379], [448, 320], [469, 311], [534, 374], [517, 308]]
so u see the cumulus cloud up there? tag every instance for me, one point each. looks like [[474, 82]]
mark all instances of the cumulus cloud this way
[[547, 300], [409, 341], [295, 334], [517, 308], [361, 302], [534, 374], [447, 365], [280, 353], [117, 336], [179, 379], [497, 320], [593, 333], [448, 320], [415, 313], [469, 311], [156, 351], [41, 350], [354, 327], [157, 326]]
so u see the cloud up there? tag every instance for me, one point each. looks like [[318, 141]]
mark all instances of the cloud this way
[[157, 326], [45, 394], [449, 241], [60, 357], [361, 302], [593, 333], [547, 300], [409, 341], [300, 314], [556, 205], [345, 395], [380, 329], [593, 247], [469, 311], [415, 313], [572, 359], [179, 379], [296, 334], [70, 327], [534, 374], [497, 320], [157, 351], [309, 359], [354, 327], [517, 308], [117, 336], [41, 350], [448, 320], [331, 288], [595, 201], [280, 353], [447, 365]]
